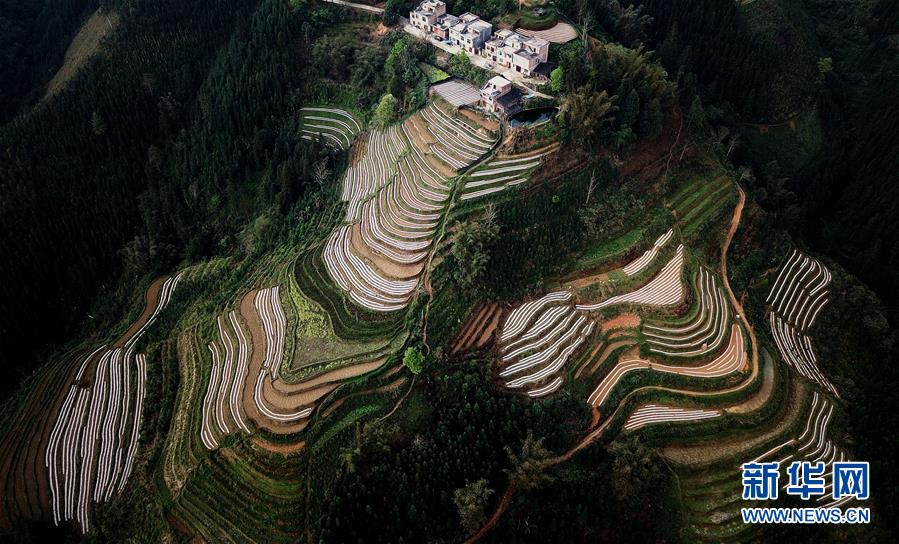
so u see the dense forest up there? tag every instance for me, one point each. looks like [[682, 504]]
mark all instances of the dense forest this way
[[161, 149]]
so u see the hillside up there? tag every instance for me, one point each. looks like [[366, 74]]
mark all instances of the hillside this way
[[85, 44], [287, 271]]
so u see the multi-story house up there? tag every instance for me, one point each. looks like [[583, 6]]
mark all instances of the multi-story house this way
[[470, 33], [499, 97], [513, 50], [443, 26], [427, 14]]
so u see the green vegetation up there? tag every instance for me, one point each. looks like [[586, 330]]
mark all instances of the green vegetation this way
[[414, 360], [386, 111], [460, 65], [434, 74]]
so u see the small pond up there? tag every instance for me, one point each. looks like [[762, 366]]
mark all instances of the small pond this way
[[531, 117]]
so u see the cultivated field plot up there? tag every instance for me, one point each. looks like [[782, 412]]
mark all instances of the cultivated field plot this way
[[336, 127], [222, 409], [537, 339], [457, 92], [701, 202], [501, 172], [245, 389], [559, 33], [478, 329], [397, 195], [800, 292], [703, 334], [665, 289], [649, 414], [640, 264], [732, 360], [92, 446], [813, 446]]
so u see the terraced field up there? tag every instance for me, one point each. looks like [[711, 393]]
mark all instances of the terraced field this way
[[537, 340], [798, 295], [674, 361], [81, 423], [703, 333], [338, 128], [502, 172], [701, 203], [93, 444], [279, 378], [396, 196]]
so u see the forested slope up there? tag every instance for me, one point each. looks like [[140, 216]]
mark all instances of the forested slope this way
[[144, 158], [34, 35]]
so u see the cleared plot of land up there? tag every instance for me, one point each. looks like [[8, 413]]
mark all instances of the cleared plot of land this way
[[799, 294], [538, 338], [397, 192], [84, 45], [92, 447], [478, 329], [335, 126], [559, 33], [457, 92]]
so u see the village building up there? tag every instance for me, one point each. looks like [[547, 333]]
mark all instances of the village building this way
[[427, 14], [443, 26], [500, 97], [524, 54], [470, 33]]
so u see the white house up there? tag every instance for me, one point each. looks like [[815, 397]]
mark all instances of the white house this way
[[499, 97], [513, 50], [427, 14], [470, 33]]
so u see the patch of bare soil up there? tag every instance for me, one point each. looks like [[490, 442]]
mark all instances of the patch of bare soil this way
[[489, 124], [340, 374], [389, 267], [488, 331], [586, 281], [358, 149], [471, 327], [84, 45], [282, 449], [621, 321], [290, 402], [152, 297]]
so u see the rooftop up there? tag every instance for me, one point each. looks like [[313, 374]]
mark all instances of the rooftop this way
[[429, 6], [498, 81], [510, 99]]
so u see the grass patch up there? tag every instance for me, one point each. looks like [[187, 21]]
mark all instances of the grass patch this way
[[433, 73]]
